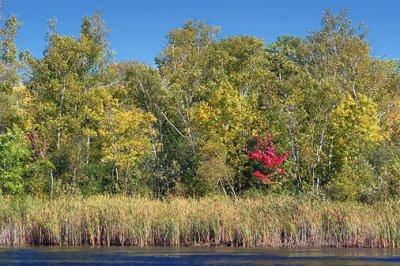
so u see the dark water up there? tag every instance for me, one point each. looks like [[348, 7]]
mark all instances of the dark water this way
[[196, 256]]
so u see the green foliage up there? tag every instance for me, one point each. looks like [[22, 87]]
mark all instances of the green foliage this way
[[14, 154], [213, 175], [8, 54], [385, 159], [355, 181], [37, 179]]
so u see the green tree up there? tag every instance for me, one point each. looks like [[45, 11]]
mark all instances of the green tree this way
[[14, 156], [9, 54], [9, 66], [60, 83]]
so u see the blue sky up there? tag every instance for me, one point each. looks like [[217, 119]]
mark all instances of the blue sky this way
[[139, 27]]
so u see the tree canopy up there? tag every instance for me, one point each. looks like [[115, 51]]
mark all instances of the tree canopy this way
[[76, 121]]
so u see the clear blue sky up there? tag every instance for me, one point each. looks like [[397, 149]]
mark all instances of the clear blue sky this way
[[139, 27]]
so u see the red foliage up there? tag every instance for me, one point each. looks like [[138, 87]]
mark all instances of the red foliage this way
[[265, 153], [262, 177]]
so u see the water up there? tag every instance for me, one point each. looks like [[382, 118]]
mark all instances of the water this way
[[196, 256]]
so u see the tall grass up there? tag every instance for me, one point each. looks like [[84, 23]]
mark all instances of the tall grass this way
[[274, 221]]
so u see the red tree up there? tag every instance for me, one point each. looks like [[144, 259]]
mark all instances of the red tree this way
[[265, 153]]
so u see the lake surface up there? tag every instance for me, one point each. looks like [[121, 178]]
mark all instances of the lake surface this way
[[196, 256]]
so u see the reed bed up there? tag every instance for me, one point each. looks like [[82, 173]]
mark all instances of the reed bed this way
[[270, 221]]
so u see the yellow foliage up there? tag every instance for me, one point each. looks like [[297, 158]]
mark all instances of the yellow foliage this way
[[224, 115], [126, 136], [354, 125]]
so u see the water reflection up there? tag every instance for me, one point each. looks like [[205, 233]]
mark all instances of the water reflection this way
[[196, 256]]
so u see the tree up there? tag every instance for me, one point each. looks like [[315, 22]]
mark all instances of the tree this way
[[61, 83], [9, 54], [265, 153], [126, 138], [354, 127], [183, 67], [9, 66], [140, 85]]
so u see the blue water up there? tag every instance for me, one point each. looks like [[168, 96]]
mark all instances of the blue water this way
[[196, 256]]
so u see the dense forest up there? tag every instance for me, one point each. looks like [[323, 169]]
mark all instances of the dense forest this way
[[76, 122]]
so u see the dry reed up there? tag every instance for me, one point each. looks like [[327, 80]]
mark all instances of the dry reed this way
[[270, 221]]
